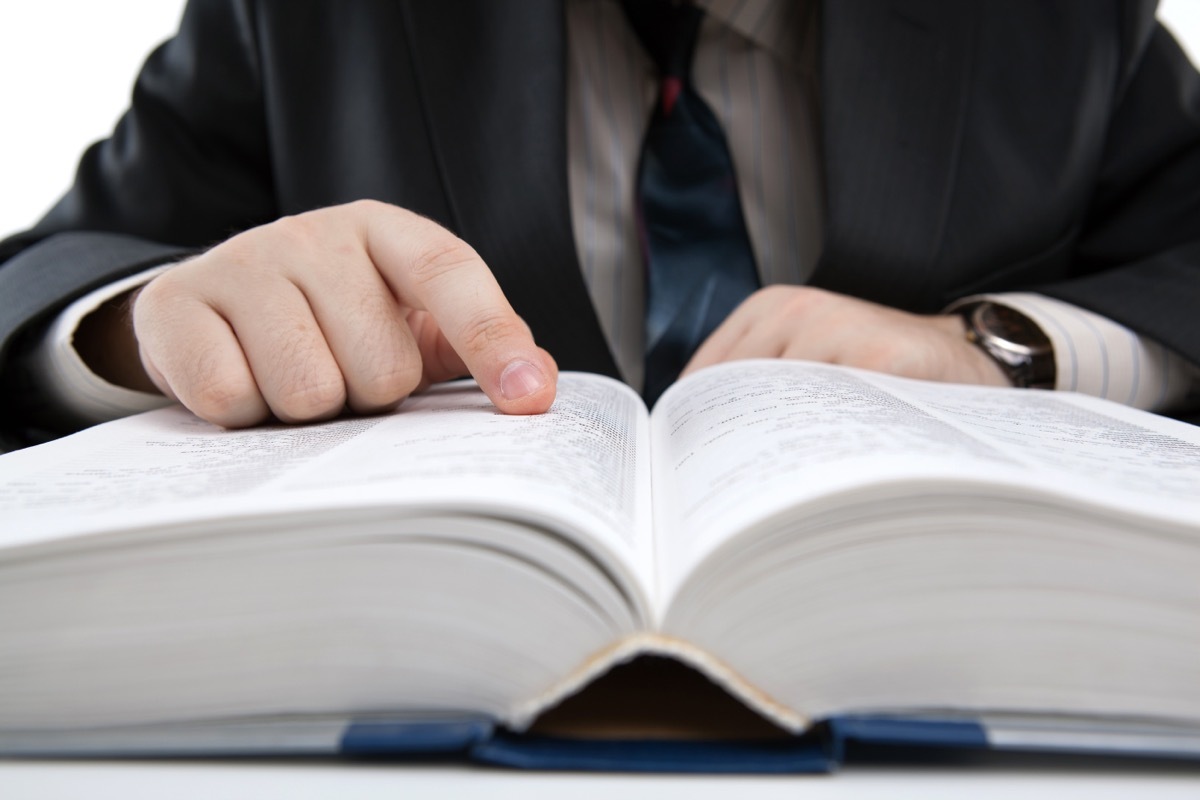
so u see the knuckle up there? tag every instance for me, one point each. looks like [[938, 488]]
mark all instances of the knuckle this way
[[150, 297], [882, 357], [310, 399], [291, 247], [235, 260], [440, 257], [165, 286], [488, 328], [388, 386], [162, 301], [776, 291], [221, 400], [800, 300], [387, 364], [305, 385], [300, 230], [367, 206]]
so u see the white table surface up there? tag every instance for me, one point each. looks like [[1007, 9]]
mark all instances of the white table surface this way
[[182, 780]]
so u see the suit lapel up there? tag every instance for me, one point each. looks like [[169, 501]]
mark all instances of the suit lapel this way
[[493, 83], [894, 83]]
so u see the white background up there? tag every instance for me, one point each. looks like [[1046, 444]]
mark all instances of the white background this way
[[66, 67]]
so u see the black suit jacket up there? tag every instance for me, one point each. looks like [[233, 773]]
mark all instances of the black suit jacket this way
[[966, 147]]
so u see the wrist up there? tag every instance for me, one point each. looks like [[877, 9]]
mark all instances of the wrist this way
[[967, 363]]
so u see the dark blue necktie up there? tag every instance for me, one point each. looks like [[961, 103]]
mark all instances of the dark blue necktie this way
[[699, 264]]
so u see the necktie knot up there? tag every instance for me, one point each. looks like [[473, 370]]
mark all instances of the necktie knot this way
[[667, 31]]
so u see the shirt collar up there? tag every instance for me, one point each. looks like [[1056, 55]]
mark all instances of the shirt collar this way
[[782, 27]]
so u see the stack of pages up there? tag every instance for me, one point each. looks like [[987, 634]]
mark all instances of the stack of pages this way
[[850, 556]]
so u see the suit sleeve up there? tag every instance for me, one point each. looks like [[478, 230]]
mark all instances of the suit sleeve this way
[[186, 167], [1138, 258]]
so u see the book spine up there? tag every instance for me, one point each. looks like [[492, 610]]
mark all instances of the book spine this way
[[655, 644]]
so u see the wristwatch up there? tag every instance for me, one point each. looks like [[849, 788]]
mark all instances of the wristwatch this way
[[1013, 341]]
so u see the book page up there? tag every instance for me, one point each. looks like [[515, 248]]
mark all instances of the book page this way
[[739, 442], [1101, 448], [584, 464], [582, 467]]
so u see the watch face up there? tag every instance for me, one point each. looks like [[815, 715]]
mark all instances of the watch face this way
[[1014, 342], [1012, 328]]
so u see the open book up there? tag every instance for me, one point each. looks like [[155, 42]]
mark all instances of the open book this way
[[904, 559]]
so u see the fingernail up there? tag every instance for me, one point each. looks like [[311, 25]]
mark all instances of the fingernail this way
[[521, 379]]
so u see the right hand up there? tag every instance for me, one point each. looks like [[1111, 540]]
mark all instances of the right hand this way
[[351, 306]]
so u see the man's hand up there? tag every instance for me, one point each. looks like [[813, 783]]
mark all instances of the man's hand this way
[[352, 306], [806, 323]]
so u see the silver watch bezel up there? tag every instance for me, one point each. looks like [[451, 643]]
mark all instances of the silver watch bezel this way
[[1028, 366]]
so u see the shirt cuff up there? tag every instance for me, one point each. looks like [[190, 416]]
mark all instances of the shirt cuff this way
[[62, 378], [1094, 355]]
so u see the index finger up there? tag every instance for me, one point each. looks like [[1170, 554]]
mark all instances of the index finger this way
[[431, 269]]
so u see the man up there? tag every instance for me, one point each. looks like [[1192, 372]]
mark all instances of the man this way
[[932, 152]]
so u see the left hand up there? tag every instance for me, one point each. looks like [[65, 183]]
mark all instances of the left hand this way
[[803, 322]]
